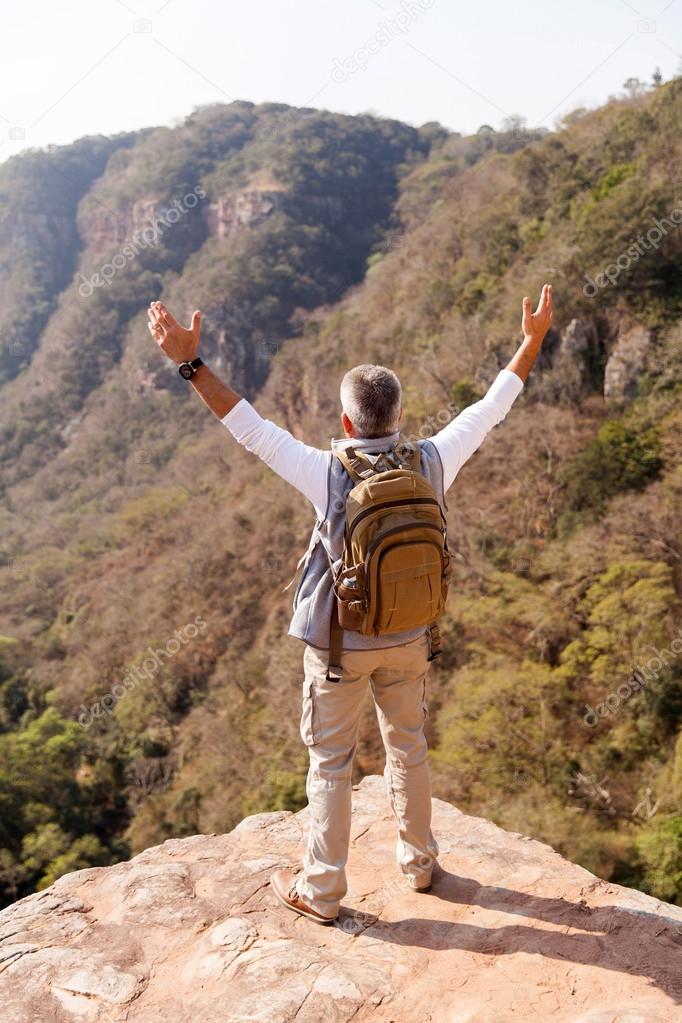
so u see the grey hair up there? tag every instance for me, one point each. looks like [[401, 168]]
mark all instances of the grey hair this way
[[370, 397]]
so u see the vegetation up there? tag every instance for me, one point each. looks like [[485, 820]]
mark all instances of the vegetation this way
[[129, 517]]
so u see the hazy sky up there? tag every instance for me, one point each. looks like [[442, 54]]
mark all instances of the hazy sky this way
[[80, 67]]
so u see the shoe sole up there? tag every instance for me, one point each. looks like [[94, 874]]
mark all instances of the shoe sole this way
[[302, 912]]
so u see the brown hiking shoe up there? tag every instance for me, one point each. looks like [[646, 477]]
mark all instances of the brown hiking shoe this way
[[436, 872], [283, 882]]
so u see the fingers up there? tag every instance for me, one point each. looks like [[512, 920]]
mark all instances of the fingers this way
[[157, 328], [545, 303], [159, 314], [156, 334], [163, 315], [196, 322]]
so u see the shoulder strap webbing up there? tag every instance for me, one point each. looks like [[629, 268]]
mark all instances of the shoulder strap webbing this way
[[362, 465], [410, 453], [355, 463], [334, 669]]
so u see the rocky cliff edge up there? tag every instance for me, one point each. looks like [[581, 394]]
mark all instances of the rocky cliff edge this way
[[191, 932]]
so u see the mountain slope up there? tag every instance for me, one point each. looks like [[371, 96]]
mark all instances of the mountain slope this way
[[134, 524]]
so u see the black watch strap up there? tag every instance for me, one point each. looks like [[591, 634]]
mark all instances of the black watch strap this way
[[188, 369]]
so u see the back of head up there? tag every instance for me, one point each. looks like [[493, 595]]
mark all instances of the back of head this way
[[370, 397]]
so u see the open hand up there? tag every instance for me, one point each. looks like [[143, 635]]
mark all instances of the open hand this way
[[535, 325], [179, 343]]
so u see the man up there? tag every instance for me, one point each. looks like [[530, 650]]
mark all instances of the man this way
[[395, 665]]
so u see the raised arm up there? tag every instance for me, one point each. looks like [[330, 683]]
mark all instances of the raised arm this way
[[457, 441], [180, 344], [534, 326], [303, 466]]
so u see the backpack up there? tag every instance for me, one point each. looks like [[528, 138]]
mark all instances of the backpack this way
[[395, 567]]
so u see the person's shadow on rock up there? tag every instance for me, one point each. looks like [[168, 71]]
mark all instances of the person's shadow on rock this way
[[626, 941]]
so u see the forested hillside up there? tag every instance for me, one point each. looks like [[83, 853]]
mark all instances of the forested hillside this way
[[147, 686]]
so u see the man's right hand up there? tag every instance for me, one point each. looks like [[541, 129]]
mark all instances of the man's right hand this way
[[179, 343], [536, 324]]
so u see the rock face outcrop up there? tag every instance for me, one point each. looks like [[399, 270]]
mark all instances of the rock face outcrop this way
[[191, 931], [577, 354], [570, 362], [230, 213], [626, 363]]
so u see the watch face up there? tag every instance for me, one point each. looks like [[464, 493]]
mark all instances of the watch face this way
[[186, 371]]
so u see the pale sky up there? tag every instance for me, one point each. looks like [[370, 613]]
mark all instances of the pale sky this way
[[80, 67]]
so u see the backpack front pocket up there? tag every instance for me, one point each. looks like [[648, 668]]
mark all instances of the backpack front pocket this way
[[408, 591]]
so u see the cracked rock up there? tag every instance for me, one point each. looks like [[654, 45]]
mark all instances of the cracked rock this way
[[191, 931]]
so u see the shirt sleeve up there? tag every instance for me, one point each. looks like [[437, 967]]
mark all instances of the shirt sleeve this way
[[457, 441], [303, 466]]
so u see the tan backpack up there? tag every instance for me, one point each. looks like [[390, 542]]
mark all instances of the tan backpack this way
[[395, 567]]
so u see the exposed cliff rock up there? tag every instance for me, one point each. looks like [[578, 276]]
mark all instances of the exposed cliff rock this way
[[103, 226], [578, 353], [626, 363], [191, 930], [572, 362], [230, 213]]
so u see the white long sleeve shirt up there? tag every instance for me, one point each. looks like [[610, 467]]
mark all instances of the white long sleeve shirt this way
[[305, 467]]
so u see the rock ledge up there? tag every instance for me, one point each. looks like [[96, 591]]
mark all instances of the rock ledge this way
[[191, 932]]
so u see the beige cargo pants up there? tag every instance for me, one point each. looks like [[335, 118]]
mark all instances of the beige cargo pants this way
[[329, 727]]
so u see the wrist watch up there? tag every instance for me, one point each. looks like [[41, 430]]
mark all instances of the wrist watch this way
[[188, 369]]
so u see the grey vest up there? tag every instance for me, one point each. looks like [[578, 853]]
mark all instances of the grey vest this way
[[314, 597]]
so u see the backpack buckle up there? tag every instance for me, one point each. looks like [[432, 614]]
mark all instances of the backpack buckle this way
[[435, 648]]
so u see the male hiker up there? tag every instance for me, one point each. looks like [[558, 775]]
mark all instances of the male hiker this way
[[395, 664]]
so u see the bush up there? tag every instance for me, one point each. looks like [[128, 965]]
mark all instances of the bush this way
[[620, 458], [660, 848]]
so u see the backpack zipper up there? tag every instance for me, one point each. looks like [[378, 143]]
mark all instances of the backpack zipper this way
[[401, 529], [392, 504]]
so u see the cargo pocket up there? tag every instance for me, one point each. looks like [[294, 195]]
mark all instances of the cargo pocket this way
[[308, 726], [425, 706]]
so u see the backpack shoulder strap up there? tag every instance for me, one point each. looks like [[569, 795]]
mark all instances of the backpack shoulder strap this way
[[409, 452], [360, 465], [356, 464]]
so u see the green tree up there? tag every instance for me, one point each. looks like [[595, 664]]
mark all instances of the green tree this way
[[660, 848]]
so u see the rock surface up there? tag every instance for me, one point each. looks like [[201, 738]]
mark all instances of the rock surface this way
[[626, 363], [191, 932], [577, 355], [230, 213], [569, 362]]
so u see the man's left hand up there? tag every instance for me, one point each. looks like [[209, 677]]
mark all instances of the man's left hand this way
[[179, 343]]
